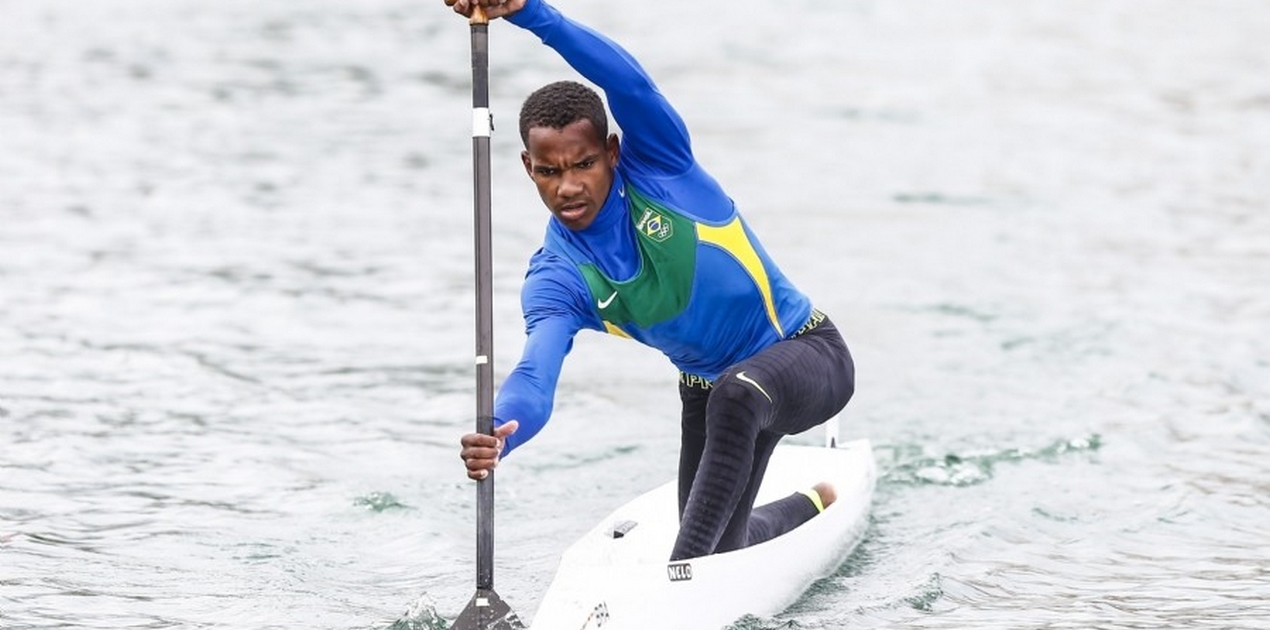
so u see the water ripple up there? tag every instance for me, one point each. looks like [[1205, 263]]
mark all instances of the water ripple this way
[[909, 466]]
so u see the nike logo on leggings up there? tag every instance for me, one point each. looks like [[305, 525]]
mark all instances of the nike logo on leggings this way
[[740, 376]]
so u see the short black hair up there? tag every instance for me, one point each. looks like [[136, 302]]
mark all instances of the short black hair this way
[[560, 104]]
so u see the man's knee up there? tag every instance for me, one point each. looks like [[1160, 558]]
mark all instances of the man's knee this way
[[738, 399], [848, 386]]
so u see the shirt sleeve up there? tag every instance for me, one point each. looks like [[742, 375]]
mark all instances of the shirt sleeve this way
[[555, 303], [655, 139]]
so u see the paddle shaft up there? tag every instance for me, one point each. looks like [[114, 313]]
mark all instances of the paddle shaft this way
[[481, 128], [486, 610]]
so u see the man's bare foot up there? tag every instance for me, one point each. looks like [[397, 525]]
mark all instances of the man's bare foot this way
[[826, 492]]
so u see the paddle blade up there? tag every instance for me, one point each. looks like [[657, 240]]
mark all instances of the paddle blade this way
[[487, 611]]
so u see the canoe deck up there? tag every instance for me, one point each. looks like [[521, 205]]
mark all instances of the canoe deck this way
[[617, 575]]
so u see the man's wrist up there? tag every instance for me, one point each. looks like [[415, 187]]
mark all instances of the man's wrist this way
[[524, 17]]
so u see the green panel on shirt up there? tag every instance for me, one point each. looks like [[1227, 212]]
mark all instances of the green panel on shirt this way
[[661, 288]]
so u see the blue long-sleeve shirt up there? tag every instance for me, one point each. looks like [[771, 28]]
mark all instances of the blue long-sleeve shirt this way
[[667, 260]]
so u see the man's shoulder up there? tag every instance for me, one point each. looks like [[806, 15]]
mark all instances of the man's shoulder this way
[[551, 268], [693, 193], [549, 256], [553, 289]]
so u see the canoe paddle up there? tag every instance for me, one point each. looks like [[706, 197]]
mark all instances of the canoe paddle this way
[[486, 611]]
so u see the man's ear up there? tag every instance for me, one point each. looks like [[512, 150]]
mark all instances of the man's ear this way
[[529, 168], [614, 148]]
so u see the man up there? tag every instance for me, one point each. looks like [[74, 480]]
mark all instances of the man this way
[[644, 244]]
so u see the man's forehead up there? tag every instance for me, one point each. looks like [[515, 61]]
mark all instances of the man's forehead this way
[[581, 126], [579, 137]]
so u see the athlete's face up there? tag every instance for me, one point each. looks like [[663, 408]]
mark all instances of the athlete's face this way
[[573, 170]]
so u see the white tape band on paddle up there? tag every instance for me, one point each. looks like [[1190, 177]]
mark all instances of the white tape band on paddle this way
[[482, 359], [482, 122]]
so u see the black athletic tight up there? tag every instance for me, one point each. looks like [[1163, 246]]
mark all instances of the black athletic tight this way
[[731, 428]]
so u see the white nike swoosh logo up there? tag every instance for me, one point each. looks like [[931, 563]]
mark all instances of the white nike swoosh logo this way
[[740, 376], [605, 303]]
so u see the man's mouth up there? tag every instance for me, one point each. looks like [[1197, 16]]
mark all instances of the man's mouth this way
[[573, 211]]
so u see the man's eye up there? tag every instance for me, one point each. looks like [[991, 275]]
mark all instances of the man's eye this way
[[585, 164]]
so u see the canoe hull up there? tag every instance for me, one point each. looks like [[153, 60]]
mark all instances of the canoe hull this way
[[623, 580]]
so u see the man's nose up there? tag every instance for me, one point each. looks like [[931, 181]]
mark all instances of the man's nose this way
[[571, 184]]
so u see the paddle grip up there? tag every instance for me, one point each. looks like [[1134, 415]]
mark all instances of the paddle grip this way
[[478, 13]]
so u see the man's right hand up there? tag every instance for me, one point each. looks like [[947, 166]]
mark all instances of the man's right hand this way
[[481, 452], [493, 8]]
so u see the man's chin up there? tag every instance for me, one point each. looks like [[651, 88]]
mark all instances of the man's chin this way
[[574, 226]]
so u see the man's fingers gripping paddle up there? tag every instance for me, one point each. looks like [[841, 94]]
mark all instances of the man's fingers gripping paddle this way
[[491, 8], [481, 452]]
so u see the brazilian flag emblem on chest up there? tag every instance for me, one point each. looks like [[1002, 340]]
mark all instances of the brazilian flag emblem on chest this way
[[655, 226]]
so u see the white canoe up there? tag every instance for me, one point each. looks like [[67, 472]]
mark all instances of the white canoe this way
[[625, 582]]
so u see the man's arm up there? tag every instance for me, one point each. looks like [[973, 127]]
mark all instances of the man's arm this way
[[655, 137], [528, 394], [555, 302], [525, 400]]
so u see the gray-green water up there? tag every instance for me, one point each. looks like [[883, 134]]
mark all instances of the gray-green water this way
[[235, 305]]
